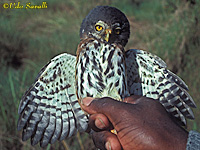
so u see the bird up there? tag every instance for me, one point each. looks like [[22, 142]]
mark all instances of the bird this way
[[50, 109]]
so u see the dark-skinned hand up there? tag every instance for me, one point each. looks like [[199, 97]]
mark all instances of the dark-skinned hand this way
[[141, 124]]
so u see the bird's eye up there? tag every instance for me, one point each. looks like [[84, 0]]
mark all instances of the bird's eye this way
[[98, 27], [117, 30]]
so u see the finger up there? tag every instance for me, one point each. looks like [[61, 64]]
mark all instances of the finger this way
[[106, 140], [99, 122], [112, 109], [104, 105]]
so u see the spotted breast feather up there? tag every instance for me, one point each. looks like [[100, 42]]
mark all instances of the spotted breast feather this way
[[100, 70], [148, 76]]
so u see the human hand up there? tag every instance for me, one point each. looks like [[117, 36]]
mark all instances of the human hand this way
[[141, 123]]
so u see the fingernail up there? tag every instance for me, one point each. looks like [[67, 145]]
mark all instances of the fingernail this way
[[99, 123], [108, 146], [87, 101]]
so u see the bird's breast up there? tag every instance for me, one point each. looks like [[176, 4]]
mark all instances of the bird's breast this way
[[100, 70]]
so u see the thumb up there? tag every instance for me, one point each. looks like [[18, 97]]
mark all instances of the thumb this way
[[106, 106]]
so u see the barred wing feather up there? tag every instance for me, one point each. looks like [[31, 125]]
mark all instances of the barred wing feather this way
[[49, 109], [148, 76]]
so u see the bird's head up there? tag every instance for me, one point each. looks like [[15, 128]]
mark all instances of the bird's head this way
[[107, 24]]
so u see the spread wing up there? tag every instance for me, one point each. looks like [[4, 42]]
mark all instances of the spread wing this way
[[49, 109], [148, 76]]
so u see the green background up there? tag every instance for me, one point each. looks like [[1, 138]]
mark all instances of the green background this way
[[29, 38]]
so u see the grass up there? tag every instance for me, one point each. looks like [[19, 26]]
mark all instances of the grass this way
[[30, 38]]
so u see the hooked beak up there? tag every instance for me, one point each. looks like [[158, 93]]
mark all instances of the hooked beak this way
[[107, 34]]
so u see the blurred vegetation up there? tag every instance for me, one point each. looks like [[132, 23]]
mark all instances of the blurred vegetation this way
[[30, 38]]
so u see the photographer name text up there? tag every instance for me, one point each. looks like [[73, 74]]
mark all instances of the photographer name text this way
[[18, 5]]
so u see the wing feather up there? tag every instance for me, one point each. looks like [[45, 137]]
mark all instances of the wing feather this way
[[148, 76], [49, 109]]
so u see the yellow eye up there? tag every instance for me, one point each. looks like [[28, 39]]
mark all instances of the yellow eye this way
[[98, 27], [117, 30]]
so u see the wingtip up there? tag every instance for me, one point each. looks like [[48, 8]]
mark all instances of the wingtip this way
[[44, 143], [19, 127], [190, 114], [25, 135], [20, 107], [183, 120], [174, 78], [20, 124], [34, 142], [192, 104], [35, 139]]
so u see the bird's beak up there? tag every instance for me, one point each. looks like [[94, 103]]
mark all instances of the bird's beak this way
[[107, 34]]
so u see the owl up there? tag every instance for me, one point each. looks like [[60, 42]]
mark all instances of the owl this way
[[50, 110]]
